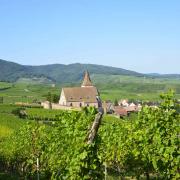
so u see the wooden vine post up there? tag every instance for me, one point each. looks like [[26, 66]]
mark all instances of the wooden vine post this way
[[93, 132], [94, 128]]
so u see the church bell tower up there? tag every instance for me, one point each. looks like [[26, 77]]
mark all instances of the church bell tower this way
[[86, 81]]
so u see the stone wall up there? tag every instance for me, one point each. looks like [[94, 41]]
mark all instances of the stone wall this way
[[48, 105], [81, 104], [70, 105], [58, 106]]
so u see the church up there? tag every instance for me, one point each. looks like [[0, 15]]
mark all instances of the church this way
[[86, 95]]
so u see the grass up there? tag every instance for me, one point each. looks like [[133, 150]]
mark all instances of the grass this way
[[5, 131], [9, 122]]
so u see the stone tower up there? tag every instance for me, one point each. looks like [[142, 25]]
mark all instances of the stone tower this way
[[86, 81]]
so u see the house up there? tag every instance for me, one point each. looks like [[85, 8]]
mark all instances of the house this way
[[86, 95], [123, 102], [130, 109], [120, 111], [132, 104], [108, 107]]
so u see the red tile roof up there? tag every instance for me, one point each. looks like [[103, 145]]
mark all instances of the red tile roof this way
[[118, 110], [81, 94]]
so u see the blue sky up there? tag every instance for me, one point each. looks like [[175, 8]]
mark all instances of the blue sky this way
[[140, 35]]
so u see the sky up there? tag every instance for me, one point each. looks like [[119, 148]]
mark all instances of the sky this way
[[139, 35]]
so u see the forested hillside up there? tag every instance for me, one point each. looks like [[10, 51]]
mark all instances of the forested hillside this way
[[10, 71]]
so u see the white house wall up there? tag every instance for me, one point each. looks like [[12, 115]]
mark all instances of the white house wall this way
[[62, 100]]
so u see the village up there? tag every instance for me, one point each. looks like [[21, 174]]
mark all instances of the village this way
[[74, 98]]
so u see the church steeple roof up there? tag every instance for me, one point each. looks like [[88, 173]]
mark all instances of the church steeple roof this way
[[86, 81]]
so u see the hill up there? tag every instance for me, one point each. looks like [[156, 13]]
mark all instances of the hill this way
[[33, 82], [10, 71], [73, 73]]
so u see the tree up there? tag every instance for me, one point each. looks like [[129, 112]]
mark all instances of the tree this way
[[54, 98], [116, 102], [48, 97]]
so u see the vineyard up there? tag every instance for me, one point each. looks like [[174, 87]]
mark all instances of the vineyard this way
[[4, 85], [146, 147], [44, 114]]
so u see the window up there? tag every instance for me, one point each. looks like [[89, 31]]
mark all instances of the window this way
[[80, 104]]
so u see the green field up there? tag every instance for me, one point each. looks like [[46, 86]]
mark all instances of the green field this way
[[8, 121], [138, 88], [111, 87], [23, 92], [8, 124], [5, 85]]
